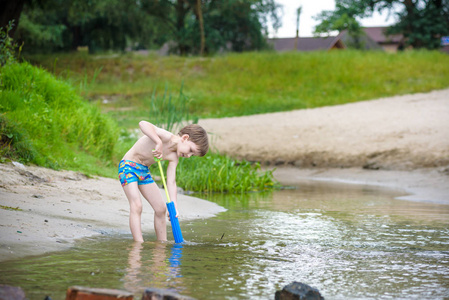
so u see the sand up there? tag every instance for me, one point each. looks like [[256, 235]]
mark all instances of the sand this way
[[396, 133], [54, 208], [398, 142]]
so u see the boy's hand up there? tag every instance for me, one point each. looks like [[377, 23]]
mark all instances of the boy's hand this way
[[168, 215], [157, 151]]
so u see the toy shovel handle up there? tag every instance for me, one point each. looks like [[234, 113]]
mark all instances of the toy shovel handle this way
[[163, 178], [176, 229]]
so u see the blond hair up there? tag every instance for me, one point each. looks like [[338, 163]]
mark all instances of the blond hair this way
[[198, 136]]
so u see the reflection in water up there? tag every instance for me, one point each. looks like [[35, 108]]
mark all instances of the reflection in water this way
[[175, 260], [149, 266], [132, 277], [350, 242]]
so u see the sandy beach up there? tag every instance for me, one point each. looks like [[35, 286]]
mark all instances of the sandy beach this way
[[399, 142], [397, 133], [51, 209]]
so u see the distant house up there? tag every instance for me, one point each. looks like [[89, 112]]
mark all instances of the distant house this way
[[375, 38], [390, 43], [365, 42], [307, 43]]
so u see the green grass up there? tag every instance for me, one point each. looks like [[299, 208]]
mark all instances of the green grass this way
[[218, 173], [250, 83], [81, 118], [44, 120]]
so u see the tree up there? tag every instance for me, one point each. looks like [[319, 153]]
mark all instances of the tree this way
[[239, 25], [343, 18], [422, 22], [61, 25], [10, 10], [199, 14], [236, 25], [298, 13]]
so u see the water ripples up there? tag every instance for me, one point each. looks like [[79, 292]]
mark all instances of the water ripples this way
[[370, 257], [348, 244]]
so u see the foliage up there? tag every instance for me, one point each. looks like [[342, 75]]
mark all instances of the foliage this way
[[46, 35], [55, 25], [169, 112], [344, 18], [15, 141], [424, 25], [44, 121], [218, 173], [7, 45], [237, 25], [214, 172], [422, 22], [137, 88], [250, 83]]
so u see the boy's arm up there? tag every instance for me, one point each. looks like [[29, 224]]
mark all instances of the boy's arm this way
[[155, 134], [171, 183]]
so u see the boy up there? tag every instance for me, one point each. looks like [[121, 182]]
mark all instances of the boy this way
[[135, 176]]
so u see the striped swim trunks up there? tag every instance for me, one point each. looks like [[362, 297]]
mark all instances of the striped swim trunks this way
[[129, 171]]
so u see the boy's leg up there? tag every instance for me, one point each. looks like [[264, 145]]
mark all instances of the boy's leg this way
[[135, 210], [153, 195]]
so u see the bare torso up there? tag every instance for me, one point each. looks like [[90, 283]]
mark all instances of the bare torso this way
[[142, 153]]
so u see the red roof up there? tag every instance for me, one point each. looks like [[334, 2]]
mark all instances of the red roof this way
[[379, 36]]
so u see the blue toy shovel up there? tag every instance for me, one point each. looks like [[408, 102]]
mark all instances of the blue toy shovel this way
[[177, 234]]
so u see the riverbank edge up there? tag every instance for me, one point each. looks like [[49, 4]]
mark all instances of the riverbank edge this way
[[49, 210], [44, 210], [429, 185]]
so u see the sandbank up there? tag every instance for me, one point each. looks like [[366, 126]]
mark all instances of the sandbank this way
[[49, 210]]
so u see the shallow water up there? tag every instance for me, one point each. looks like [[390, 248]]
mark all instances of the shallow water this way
[[348, 241]]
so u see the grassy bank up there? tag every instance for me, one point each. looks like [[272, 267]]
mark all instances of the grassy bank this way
[[44, 120], [248, 83]]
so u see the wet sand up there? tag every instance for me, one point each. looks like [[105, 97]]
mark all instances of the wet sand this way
[[49, 210], [429, 185]]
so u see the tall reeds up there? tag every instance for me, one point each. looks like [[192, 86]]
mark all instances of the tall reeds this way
[[170, 112], [215, 173]]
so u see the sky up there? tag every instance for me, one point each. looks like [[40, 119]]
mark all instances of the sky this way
[[311, 8]]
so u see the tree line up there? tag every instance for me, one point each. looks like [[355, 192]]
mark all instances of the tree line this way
[[200, 26], [192, 26]]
